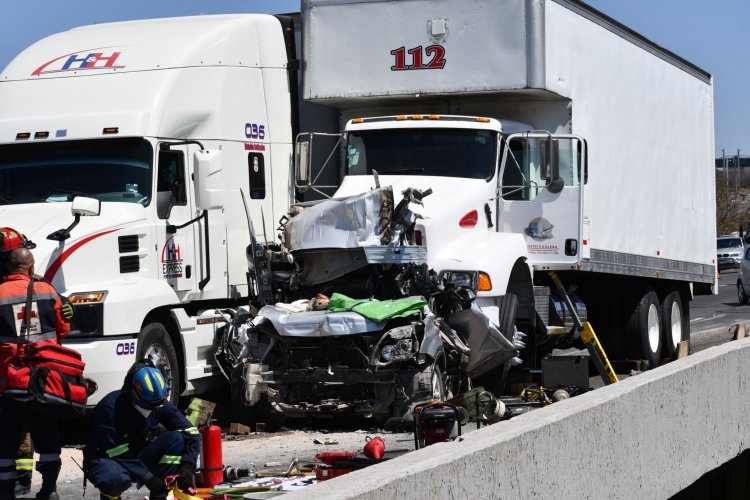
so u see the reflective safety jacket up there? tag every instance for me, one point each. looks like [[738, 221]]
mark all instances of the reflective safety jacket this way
[[119, 432], [45, 320]]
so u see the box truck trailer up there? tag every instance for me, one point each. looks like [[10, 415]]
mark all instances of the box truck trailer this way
[[552, 139], [621, 204]]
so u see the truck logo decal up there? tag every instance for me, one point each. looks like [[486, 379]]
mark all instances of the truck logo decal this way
[[435, 54], [539, 229], [255, 131], [171, 260], [85, 59], [55, 266]]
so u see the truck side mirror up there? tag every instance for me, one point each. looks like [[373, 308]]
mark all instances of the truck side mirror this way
[[302, 162], [550, 165], [209, 179], [85, 206]]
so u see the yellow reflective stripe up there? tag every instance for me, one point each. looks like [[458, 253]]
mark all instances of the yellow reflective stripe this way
[[147, 379], [190, 430], [118, 450], [24, 463], [160, 378], [170, 459]]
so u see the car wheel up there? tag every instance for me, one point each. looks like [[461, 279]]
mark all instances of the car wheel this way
[[742, 297], [431, 384], [154, 343]]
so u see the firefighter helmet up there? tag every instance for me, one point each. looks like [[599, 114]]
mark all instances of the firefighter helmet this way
[[149, 389], [10, 239]]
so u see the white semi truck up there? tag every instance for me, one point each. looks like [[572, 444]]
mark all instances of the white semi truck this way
[[622, 203], [557, 147], [135, 155]]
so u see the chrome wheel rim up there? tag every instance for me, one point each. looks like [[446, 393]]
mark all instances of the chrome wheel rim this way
[[653, 328]]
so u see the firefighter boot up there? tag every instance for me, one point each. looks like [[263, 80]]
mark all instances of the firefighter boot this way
[[49, 471], [23, 486]]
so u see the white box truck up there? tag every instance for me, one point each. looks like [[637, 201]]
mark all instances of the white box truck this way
[[135, 155], [553, 138]]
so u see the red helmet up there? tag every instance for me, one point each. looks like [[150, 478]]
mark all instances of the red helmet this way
[[10, 239]]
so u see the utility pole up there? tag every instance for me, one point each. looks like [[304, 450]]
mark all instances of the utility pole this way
[[737, 176], [725, 166]]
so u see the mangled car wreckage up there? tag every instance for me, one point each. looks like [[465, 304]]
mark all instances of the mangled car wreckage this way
[[346, 318]]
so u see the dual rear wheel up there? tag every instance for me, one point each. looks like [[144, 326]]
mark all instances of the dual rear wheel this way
[[656, 326]]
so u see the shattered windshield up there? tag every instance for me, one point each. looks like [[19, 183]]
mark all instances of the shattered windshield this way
[[431, 151], [105, 169]]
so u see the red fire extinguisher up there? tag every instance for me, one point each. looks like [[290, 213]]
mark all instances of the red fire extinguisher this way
[[212, 468]]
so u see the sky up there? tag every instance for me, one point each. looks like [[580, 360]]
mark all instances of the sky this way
[[711, 35]]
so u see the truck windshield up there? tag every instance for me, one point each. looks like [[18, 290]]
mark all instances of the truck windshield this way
[[106, 169], [440, 152]]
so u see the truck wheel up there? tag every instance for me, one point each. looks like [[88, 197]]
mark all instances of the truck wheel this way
[[643, 330], [675, 324], [154, 343], [495, 380], [742, 297]]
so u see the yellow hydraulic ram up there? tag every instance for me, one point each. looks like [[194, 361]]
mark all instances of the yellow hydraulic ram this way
[[587, 335]]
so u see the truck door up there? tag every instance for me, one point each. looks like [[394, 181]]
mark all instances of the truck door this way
[[175, 248], [540, 195]]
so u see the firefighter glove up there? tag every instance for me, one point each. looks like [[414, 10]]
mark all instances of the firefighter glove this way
[[156, 486], [186, 477], [66, 310]]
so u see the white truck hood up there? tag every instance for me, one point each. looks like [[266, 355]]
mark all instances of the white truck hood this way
[[38, 220], [451, 198]]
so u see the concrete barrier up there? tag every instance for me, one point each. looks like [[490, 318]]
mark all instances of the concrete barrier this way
[[648, 436]]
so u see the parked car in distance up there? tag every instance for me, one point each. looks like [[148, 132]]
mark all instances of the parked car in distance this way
[[743, 279], [729, 251]]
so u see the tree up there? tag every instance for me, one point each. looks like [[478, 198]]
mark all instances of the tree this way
[[731, 210]]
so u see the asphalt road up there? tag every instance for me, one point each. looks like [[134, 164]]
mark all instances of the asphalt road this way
[[713, 315]]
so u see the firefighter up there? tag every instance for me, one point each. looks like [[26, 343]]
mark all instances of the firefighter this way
[[10, 239], [43, 322], [124, 446]]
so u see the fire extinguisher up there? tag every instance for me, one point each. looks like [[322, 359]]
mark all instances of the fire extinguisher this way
[[212, 468]]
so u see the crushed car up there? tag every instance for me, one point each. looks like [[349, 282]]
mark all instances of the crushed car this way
[[345, 318]]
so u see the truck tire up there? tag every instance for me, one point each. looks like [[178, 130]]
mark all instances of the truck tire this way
[[742, 296], [154, 343], [495, 380], [675, 323], [643, 330]]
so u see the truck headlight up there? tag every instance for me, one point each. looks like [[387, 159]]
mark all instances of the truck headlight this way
[[387, 352], [87, 297], [475, 280], [88, 319]]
